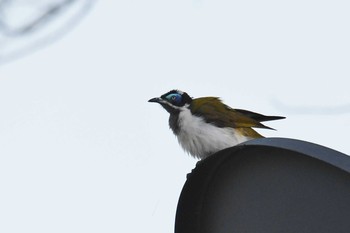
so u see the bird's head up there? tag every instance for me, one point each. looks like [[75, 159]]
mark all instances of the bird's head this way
[[173, 101]]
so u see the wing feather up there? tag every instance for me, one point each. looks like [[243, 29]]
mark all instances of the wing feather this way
[[214, 111]]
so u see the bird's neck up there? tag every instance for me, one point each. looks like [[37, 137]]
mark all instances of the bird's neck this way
[[174, 122]]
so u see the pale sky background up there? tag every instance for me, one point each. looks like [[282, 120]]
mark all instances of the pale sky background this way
[[81, 150]]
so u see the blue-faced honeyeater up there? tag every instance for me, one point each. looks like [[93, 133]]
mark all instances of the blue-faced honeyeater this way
[[206, 125]]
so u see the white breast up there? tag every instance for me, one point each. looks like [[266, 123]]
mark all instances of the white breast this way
[[201, 139]]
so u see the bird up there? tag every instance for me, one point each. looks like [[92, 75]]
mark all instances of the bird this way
[[205, 125]]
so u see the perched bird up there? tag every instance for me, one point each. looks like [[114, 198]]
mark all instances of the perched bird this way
[[205, 125]]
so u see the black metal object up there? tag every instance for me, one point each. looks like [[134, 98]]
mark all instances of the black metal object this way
[[267, 185]]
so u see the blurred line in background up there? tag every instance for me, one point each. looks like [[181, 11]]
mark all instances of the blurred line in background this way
[[28, 25], [336, 109]]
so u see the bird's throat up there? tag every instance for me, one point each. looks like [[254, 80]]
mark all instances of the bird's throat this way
[[174, 122]]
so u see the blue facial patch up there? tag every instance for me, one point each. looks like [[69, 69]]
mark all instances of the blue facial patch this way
[[174, 98]]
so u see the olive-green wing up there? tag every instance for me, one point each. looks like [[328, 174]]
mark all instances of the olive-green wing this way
[[215, 112]]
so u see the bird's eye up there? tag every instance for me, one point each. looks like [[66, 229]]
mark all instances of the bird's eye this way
[[174, 98]]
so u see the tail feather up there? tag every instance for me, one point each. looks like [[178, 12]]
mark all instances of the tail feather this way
[[259, 117]]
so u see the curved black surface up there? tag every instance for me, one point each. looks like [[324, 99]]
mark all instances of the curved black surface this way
[[267, 185]]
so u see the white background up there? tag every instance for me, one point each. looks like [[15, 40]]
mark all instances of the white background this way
[[81, 150]]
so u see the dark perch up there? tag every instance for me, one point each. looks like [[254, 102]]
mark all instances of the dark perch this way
[[267, 185]]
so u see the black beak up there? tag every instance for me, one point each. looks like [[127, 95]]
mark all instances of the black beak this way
[[155, 100]]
